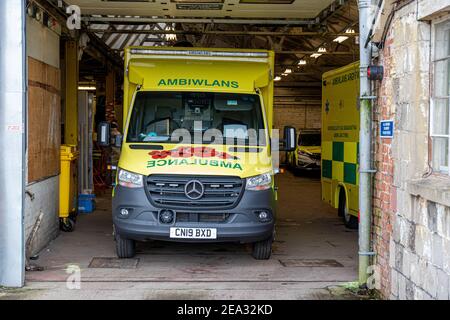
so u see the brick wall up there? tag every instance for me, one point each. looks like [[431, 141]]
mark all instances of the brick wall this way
[[299, 116], [384, 164], [411, 221], [298, 107]]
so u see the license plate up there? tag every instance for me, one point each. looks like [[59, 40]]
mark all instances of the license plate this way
[[193, 233]]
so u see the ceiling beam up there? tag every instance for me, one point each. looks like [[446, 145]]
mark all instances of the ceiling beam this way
[[147, 20], [225, 33]]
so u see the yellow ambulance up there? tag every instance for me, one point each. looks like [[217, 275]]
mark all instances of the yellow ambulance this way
[[340, 141], [198, 151]]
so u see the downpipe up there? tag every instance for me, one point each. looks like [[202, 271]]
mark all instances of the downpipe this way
[[365, 152]]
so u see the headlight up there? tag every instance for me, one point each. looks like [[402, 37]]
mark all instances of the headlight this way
[[261, 182], [130, 179]]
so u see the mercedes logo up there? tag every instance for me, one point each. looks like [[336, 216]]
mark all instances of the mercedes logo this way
[[194, 189]]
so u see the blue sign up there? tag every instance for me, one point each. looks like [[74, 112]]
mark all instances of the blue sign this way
[[386, 129]]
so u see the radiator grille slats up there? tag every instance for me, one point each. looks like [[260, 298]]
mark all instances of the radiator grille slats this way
[[219, 192]]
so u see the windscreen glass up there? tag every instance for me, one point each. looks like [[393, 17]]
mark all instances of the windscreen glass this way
[[309, 139], [160, 117]]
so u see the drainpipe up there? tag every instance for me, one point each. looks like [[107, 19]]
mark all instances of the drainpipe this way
[[365, 152]]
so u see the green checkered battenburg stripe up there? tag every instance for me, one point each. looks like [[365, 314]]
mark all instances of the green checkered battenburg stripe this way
[[340, 161]]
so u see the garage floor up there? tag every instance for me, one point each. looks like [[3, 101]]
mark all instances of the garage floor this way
[[313, 254]]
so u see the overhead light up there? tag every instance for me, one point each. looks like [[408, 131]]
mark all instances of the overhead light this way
[[288, 71], [284, 74], [319, 53], [340, 39], [302, 62], [87, 88], [170, 36], [277, 78]]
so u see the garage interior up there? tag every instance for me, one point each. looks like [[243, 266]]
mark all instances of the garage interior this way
[[75, 81]]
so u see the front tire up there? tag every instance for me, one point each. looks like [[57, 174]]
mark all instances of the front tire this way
[[262, 249], [125, 248], [350, 221]]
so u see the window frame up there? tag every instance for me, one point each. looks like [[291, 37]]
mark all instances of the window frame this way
[[443, 169]]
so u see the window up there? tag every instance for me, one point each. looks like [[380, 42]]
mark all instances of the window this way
[[157, 115], [440, 105], [309, 139]]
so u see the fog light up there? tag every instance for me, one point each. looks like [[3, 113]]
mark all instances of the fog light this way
[[166, 216], [263, 216], [124, 212]]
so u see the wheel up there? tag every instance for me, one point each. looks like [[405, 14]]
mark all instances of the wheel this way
[[262, 249], [66, 224], [125, 248], [350, 221]]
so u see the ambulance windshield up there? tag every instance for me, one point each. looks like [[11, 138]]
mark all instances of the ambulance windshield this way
[[216, 118]]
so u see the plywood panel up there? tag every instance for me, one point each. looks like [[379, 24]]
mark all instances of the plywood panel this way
[[44, 119]]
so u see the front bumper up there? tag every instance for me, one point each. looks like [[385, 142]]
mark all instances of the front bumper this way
[[241, 225], [307, 163]]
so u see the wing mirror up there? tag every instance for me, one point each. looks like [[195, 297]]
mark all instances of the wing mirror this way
[[289, 138]]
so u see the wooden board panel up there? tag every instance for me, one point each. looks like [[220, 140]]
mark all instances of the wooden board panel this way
[[44, 120]]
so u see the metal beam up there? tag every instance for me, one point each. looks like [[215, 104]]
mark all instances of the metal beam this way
[[71, 94], [225, 33], [336, 53], [13, 84], [298, 84], [146, 20]]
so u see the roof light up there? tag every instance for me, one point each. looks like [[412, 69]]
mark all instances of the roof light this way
[[316, 55], [288, 71], [322, 50], [277, 78], [302, 62]]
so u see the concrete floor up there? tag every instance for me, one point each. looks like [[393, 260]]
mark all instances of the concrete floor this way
[[313, 254]]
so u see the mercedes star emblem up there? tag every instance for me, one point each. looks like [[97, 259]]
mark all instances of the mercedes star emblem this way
[[194, 189]]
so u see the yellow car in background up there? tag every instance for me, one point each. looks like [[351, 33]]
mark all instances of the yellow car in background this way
[[307, 155]]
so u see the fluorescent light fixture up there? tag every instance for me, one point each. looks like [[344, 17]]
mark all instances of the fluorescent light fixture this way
[[288, 71], [277, 78], [284, 74], [340, 39], [302, 62], [87, 88], [170, 36], [319, 53]]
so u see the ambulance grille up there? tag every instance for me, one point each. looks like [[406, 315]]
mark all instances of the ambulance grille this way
[[168, 191]]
